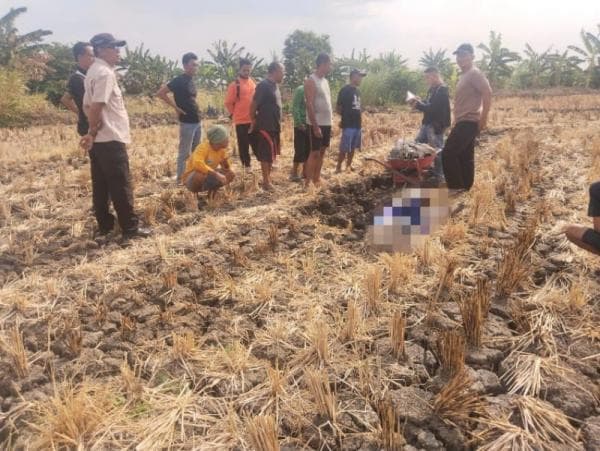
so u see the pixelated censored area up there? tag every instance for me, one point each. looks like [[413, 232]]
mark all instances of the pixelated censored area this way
[[404, 224]]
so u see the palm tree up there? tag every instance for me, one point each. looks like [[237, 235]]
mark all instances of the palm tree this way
[[590, 52], [497, 60], [14, 45]]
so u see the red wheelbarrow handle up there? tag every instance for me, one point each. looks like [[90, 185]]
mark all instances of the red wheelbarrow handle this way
[[385, 165]]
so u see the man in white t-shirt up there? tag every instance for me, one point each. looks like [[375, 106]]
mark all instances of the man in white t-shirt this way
[[107, 139], [319, 117]]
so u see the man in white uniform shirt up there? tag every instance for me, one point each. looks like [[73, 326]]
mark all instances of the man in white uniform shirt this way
[[107, 140]]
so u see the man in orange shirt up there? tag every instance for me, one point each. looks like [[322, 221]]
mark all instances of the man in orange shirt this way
[[237, 101]]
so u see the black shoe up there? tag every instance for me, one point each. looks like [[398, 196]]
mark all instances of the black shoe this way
[[138, 233], [103, 232]]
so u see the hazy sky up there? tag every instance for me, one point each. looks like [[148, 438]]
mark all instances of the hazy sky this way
[[175, 26]]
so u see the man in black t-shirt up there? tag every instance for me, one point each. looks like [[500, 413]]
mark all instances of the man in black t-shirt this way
[[265, 113], [436, 116], [184, 103], [73, 98], [348, 106]]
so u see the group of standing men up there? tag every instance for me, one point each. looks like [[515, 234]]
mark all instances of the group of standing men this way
[[256, 112], [93, 94]]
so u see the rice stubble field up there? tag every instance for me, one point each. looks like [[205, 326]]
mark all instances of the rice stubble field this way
[[266, 322]]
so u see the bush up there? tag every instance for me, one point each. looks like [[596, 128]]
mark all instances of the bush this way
[[16, 106], [389, 87]]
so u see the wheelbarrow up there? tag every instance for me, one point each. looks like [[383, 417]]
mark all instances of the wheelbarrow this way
[[403, 170]]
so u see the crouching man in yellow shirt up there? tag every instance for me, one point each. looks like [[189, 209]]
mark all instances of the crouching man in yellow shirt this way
[[202, 172]]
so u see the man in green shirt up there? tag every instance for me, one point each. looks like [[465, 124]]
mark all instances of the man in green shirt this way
[[301, 142]]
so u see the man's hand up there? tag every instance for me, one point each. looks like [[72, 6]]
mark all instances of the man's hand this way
[[482, 124], [179, 111], [86, 142], [220, 177], [413, 102], [252, 127], [317, 132]]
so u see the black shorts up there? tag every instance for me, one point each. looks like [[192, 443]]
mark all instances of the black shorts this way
[[267, 146], [594, 207], [592, 238], [301, 145], [318, 144]]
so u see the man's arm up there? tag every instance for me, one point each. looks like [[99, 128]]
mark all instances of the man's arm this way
[[338, 103], [230, 98], [199, 161], [252, 115], [487, 104], [94, 115], [436, 102], [298, 109], [163, 94], [486, 99], [255, 104], [310, 92], [67, 101]]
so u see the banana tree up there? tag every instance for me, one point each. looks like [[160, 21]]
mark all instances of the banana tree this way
[[497, 60], [13, 45], [437, 59], [590, 53], [225, 60], [564, 69], [537, 65], [146, 72]]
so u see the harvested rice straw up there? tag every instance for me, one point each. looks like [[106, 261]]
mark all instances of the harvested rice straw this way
[[451, 351], [262, 432]]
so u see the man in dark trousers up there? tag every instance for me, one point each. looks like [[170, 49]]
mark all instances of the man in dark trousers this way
[[73, 98], [265, 113], [585, 237], [237, 101], [348, 106], [436, 115], [107, 139], [184, 103], [471, 108]]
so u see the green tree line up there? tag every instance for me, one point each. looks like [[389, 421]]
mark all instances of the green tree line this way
[[29, 64]]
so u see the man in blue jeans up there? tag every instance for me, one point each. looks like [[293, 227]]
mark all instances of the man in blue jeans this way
[[184, 103], [436, 116]]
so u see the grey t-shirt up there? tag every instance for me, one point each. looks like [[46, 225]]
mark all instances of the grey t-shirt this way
[[469, 94]]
